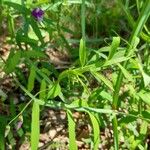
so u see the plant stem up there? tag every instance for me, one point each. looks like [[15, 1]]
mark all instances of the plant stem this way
[[83, 19], [136, 32]]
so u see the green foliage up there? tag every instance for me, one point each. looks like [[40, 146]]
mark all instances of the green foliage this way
[[96, 131], [72, 136], [35, 126], [82, 52], [104, 75], [12, 61]]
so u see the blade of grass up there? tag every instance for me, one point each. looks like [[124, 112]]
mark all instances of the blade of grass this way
[[31, 79], [72, 136], [35, 126], [96, 131], [42, 94], [83, 19], [82, 52], [99, 77], [114, 46], [115, 132]]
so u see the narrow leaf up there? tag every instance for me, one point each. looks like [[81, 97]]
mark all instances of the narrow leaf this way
[[17, 7], [114, 61], [35, 126], [31, 79], [34, 54], [145, 96], [115, 132], [54, 90], [42, 90], [71, 130], [12, 61], [114, 46], [99, 77], [82, 52], [36, 30], [96, 130], [127, 75]]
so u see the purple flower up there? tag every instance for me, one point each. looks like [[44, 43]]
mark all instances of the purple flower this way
[[38, 14]]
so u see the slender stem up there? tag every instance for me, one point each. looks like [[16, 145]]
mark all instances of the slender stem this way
[[115, 130], [136, 32], [83, 19]]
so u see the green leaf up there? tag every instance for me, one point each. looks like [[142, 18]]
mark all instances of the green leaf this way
[[71, 130], [115, 44], [82, 53], [12, 61], [35, 126], [36, 30], [31, 79], [127, 119], [115, 132], [114, 61], [42, 94], [143, 129], [54, 90], [96, 130], [17, 7], [100, 78], [106, 95], [127, 75], [2, 133], [135, 43], [26, 40], [145, 96], [146, 79], [33, 54], [146, 114]]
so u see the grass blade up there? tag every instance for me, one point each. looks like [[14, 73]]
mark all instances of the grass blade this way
[[83, 18], [72, 136], [82, 53], [114, 46], [100, 78], [31, 79], [54, 91], [115, 130], [35, 126], [42, 94], [96, 131]]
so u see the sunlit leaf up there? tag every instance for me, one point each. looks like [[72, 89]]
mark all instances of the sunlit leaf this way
[[145, 96], [42, 94], [35, 126], [114, 46], [54, 90], [82, 52], [96, 130], [71, 130], [31, 79], [100, 78]]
